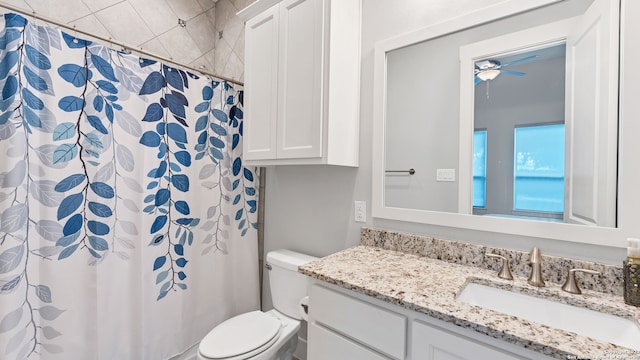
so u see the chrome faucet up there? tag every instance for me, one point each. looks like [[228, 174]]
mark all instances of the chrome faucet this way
[[571, 285], [505, 270], [535, 277]]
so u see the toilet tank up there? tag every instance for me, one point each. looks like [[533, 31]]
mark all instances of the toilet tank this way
[[287, 285]]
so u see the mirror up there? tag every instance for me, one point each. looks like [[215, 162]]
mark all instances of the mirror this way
[[432, 105], [545, 82]]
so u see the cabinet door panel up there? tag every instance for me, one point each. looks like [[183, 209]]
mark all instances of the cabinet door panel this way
[[325, 344], [300, 118], [261, 90], [430, 343]]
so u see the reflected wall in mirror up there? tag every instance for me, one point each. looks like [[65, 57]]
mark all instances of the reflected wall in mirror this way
[[422, 125], [434, 103]]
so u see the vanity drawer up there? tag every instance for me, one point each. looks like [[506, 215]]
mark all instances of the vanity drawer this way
[[378, 328]]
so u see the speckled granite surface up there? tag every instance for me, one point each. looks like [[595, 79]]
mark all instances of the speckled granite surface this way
[[554, 269], [430, 286]]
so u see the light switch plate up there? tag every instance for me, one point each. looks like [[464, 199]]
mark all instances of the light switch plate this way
[[446, 175], [360, 211]]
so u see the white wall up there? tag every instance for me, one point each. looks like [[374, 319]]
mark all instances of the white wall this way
[[310, 208]]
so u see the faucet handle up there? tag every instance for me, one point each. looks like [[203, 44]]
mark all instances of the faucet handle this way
[[535, 257], [505, 271], [570, 285]]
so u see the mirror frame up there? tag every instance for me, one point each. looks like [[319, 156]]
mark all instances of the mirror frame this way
[[628, 196]]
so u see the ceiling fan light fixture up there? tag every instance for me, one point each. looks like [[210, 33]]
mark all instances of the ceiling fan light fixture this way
[[489, 74]]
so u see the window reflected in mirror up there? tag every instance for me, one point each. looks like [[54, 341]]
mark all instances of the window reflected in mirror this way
[[538, 179], [479, 169]]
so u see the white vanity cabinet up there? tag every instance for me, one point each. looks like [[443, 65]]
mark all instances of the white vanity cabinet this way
[[345, 325], [328, 344], [302, 79], [432, 343]]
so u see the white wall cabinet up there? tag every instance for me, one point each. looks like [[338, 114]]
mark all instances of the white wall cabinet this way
[[302, 80], [348, 325]]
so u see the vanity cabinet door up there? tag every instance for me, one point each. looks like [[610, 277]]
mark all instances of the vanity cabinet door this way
[[431, 343], [326, 344]]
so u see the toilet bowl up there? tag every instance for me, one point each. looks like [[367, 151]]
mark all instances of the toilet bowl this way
[[258, 335]]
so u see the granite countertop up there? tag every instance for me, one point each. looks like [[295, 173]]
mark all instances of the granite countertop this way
[[430, 287]]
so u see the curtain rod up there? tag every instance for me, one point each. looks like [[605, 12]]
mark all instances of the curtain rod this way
[[124, 46]]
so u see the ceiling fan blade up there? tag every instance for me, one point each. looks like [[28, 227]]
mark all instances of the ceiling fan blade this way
[[516, 73], [519, 60], [477, 80]]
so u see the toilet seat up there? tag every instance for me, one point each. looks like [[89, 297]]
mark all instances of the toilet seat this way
[[241, 337]]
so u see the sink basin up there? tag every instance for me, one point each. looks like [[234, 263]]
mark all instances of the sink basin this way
[[596, 325]]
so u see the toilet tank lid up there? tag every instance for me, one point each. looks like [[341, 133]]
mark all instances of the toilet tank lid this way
[[288, 259]]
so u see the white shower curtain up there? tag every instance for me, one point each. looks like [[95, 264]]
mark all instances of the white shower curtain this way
[[127, 219]]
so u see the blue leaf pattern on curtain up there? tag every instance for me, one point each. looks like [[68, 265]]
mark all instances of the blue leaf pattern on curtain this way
[[78, 160]]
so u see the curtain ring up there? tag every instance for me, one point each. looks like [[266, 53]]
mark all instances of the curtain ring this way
[[75, 35]]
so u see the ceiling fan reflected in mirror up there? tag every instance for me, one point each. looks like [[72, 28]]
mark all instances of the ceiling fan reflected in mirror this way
[[489, 69]]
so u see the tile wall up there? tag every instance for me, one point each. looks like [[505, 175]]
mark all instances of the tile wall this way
[[213, 37]]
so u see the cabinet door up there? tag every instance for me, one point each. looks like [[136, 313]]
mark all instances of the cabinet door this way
[[430, 343], [301, 114], [261, 90], [325, 344]]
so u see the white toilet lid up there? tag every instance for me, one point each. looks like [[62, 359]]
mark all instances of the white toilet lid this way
[[239, 335]]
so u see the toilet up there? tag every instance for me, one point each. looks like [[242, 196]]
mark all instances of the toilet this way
[[270, 335]]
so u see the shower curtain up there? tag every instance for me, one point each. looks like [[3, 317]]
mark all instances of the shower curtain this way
[[127, 219]]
